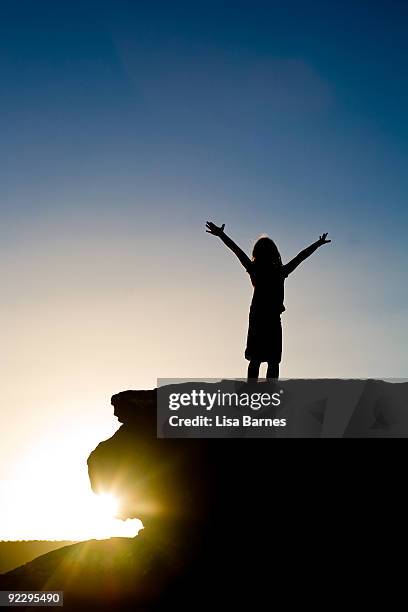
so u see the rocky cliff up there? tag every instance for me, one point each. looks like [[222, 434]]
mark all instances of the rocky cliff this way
[[202, 482], [181, 478]]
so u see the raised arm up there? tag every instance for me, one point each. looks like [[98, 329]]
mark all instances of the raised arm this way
[[289, 267], [219, 231]]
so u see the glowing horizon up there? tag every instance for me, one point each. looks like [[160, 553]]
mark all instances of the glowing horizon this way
[[70, 512], [49, 496]]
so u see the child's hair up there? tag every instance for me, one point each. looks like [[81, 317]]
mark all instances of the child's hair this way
[[265, 251]]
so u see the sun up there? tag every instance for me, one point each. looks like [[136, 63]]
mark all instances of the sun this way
[[107, 505]]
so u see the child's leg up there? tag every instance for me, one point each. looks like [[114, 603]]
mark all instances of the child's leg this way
[[253, 370], [273, 370]]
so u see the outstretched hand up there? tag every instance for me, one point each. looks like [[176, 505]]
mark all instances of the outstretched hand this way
[[323, 239], [214, 229]]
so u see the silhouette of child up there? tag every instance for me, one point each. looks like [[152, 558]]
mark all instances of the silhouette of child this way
[[267, 273]]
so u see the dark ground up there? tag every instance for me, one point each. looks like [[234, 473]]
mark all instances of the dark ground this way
[[14, 554]]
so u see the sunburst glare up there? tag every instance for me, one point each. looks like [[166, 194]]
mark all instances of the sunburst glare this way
[[49, 496]]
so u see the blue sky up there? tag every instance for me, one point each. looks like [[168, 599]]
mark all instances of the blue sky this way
[[125, 126], [239, 100]]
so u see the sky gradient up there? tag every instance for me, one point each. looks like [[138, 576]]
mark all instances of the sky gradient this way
[[125, 126]]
